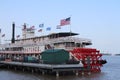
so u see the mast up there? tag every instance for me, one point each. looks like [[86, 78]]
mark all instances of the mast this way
[[0, 35]]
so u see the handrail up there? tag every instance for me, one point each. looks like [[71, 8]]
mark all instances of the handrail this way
[[50, 41]]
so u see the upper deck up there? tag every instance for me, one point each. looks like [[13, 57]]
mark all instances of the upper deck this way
[[64, 40]]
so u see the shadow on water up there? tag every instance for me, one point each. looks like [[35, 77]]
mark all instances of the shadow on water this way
[[19, 75]]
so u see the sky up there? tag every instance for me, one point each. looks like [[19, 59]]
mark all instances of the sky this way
[[98, 20]]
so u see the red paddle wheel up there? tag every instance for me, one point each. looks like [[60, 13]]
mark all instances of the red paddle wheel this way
[[90, 58]]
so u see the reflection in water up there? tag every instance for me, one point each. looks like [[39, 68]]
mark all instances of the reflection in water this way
[[110, 71]]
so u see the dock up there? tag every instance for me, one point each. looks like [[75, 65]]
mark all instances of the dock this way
[[45, 67]]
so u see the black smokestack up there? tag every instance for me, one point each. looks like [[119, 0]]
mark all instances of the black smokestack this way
[[13, 33]]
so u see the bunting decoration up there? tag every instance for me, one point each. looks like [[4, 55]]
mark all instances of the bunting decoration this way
[[40, 30], [3, 35], [32, 27], [18, 36]]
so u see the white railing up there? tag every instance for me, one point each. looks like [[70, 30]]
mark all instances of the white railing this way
[[11, 52], [49, 41], [71, 39], [19, 52]]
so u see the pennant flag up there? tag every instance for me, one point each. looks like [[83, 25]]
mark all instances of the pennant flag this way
[[65, 21], [32, 27], [18, 36], [3, 35], [58, 27], [40, 30], [48, 28], [41, 25]]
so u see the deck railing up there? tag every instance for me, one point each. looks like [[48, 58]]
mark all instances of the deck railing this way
[[49, 41]]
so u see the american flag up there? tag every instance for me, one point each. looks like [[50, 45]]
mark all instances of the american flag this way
[[65, 21]]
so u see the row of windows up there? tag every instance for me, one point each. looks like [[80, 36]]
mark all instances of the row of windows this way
[[32, 49], [34, 39]]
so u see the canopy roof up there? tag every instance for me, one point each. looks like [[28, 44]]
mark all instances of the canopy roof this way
[[63, 34], [60, 34]]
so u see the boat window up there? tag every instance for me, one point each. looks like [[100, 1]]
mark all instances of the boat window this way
[[77, 44], [70, 44]]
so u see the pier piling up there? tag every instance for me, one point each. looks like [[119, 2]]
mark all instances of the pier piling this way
[[32, 71], [23, 70], [43, 72], [76, 73], [82, 73], [15, 68], [89, 73], [57, 74]]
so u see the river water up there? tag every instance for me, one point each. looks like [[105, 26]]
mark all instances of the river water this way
[[110, 71]]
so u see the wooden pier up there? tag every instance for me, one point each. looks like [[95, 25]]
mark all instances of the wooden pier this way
[[45, 67]]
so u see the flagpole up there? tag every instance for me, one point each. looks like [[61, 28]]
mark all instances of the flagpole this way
[[4, 39], [70, 33], [70, 24], [0, 36], [70, 27]]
